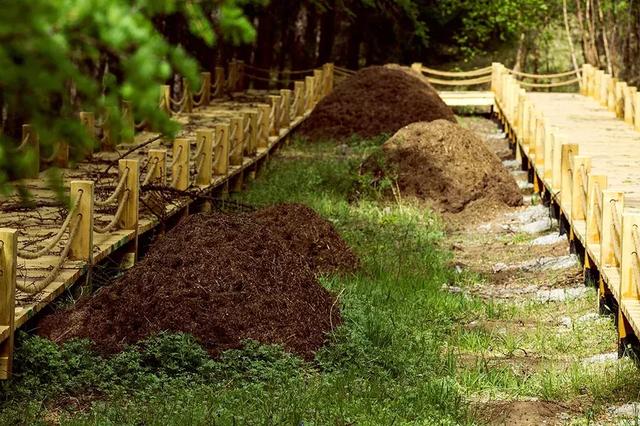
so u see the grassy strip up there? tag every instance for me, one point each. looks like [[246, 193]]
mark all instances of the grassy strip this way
[[387, 364]]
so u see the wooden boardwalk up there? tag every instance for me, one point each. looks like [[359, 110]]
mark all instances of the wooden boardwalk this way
[[583, 153], [119, 196]]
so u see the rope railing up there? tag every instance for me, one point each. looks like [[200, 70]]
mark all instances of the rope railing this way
[[24, 254], [116, 217], [37, 286], [474, 73], [116, 193], [466, 82], [543, 76], [549, 85], [150, 173], [23, 143]]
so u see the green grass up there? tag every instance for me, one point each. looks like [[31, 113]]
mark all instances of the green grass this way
[[386, 364], [406, 352]]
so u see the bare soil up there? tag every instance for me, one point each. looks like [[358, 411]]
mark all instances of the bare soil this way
[[374, 101], [223, 278], [445, 164]]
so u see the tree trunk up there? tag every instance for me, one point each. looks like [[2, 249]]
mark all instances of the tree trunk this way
[[327, 33]]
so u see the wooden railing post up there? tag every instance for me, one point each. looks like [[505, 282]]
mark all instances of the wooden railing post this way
[[252, 145], [584, 87], [265, 126], [233, 76], [205, 77], [581, 168], [8, 262], [88, 120], [607, 253], [328, 69], [82, 244], [286, 106], [159, 173], [298, 88], [317, 87], [221, 159], [237, 144], [180, 166], [597, 184], [308, 93], [275, 108], [628, 261], [188, 99], [204, 138], [165, 98], [568, 152], [621, 89], [636, 110], [611, 94], [129, 219], [629, 93], [219, 82]]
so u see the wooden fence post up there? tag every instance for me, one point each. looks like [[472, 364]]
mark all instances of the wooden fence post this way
[[219, 82], [328, 69], [88, 120], [180, 167], [240, 85], [165, 98], [609, 197], [221, 159], [285, 102], [298, 87], [584, 86], [129, 219], [628, 261], [82, 244], [568, 152], [8, 262], [597, 184], [159, 173], [621, 89], [251, 147], [611, 94], [233, 76], [265, 126], [579, 187], [317, 87], [237, 144], [636, 110], [204, 138], [205, 97], [275, 110], [187, 93], [629, 93], [308, 93]]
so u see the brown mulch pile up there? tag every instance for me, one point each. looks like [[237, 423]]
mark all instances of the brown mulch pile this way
[[443, 163], [375, 100], [310, 235], [223, 278]]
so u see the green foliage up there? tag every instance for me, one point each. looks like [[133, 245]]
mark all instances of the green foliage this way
[[59, 58]]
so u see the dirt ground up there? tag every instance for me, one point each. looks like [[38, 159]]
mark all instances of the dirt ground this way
[[522, 264]]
